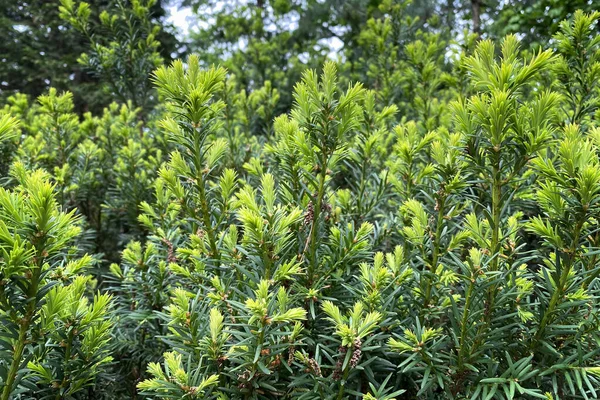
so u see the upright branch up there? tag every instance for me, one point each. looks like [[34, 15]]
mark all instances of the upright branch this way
[[325, 118], [195, 116]]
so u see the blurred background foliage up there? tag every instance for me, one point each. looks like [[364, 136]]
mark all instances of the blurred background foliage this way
[[257, 40]]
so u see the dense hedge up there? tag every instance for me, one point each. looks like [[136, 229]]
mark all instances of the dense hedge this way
[[432, 235]]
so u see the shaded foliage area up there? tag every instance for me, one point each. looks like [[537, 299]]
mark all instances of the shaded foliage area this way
[[40, 51]]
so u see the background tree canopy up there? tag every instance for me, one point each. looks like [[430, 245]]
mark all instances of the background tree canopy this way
[[40, 51], [257, 40]]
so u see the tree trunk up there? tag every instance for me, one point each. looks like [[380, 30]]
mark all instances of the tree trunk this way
[[476, 16], [450, 14]]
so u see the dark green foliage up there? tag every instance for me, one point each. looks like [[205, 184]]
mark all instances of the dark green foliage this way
[[124, 47], [40, 51], [537, 20]]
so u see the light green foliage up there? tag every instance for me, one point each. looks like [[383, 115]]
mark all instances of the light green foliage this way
[[578, 68], [40, 307], [8, 127], [78, 333], [103, 166], [176, 382]]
